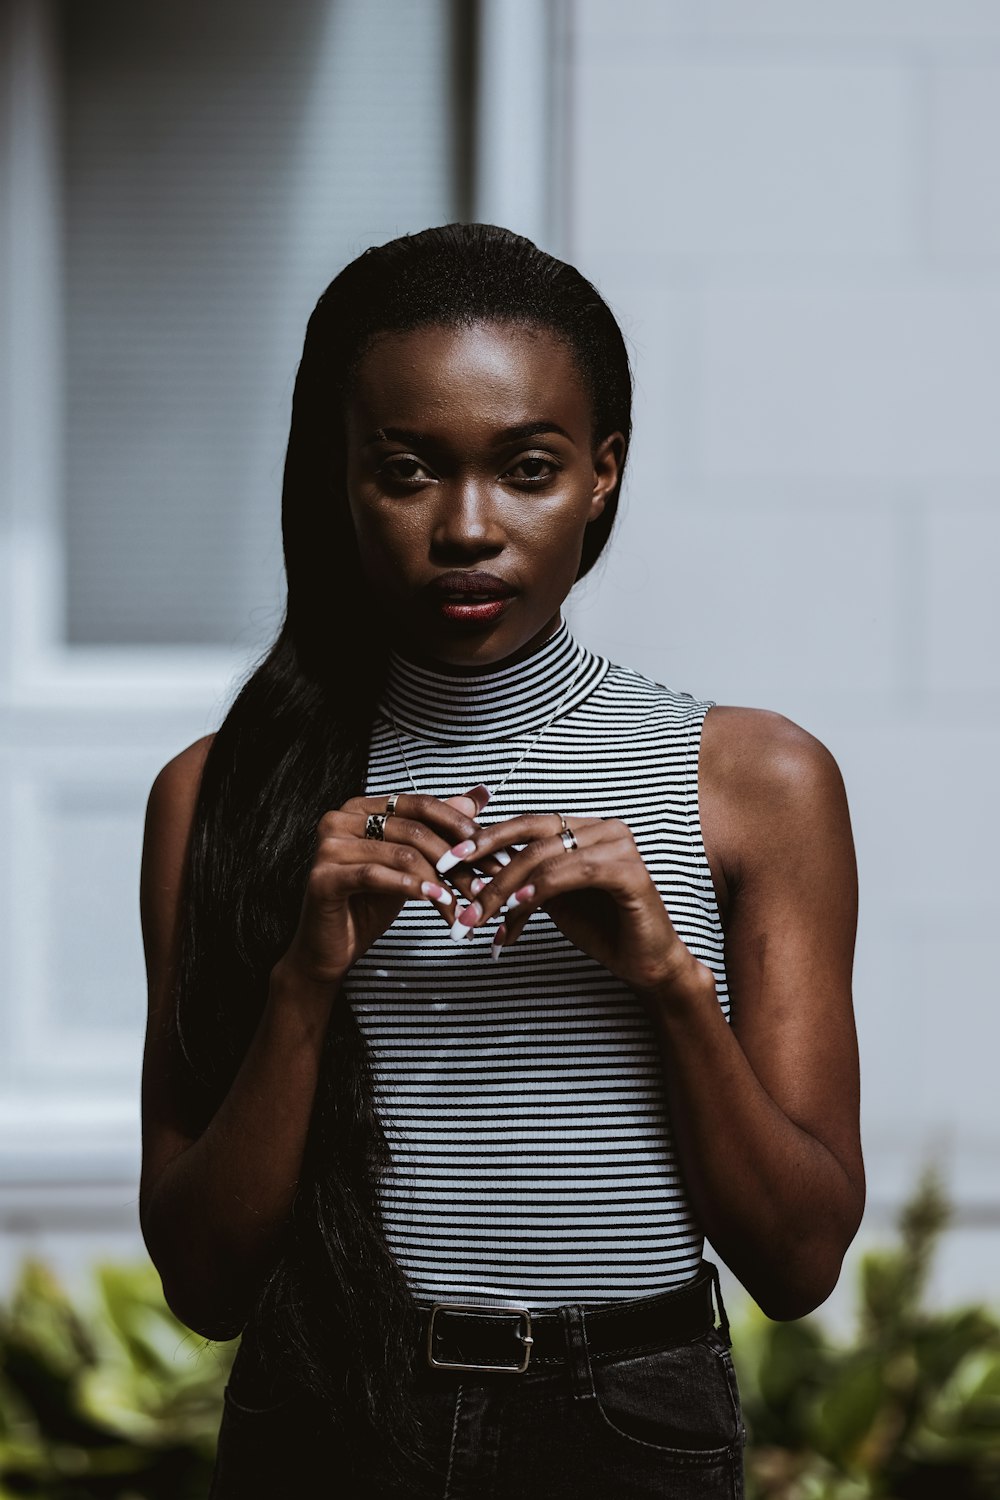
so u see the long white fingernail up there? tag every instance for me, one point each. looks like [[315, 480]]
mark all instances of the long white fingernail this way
[[436, 892], [502, 856], [496, 947], [452, 857], [458, 931], [527, 892]]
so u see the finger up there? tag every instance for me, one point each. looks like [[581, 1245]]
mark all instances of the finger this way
[[527, 861], [532, 900], [500, 941], [438, 813], [519, 885], [526, 828], [333, 881], [413, 832], [463, 854], [602, 866], [471, 802], [423, 881], [496, 841], [475, 799]]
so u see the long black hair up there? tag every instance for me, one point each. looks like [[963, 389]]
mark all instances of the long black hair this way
[[336, 1316]]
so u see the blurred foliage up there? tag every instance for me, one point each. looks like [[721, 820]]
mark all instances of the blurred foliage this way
[[909, 1409], [121, 1402]]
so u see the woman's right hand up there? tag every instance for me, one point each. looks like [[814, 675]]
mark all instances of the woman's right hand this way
[[357, 886]]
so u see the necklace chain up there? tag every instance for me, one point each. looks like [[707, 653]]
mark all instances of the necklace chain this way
[[530, 746]]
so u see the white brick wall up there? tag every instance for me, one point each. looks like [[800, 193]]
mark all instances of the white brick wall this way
[[709, 189], [847, 371], [790, 24], [794, 207]]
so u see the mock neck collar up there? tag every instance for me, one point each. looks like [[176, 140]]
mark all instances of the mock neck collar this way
[[498, 703]]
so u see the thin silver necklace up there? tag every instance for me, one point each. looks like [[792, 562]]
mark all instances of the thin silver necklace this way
[[530, 746]]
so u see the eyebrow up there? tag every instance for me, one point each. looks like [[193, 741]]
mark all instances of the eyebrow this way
[[507, 435]]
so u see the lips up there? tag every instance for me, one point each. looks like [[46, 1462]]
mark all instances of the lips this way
[[472, 611], [470, 587]]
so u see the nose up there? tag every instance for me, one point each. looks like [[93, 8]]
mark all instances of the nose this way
[[467, 518]]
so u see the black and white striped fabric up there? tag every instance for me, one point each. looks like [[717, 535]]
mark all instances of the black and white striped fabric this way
[[524, 1099]]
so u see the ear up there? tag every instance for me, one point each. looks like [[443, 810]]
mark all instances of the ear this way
[[609, 456]]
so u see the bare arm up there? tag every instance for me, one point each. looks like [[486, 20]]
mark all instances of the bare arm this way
[[765, 1111], [213, 1208]]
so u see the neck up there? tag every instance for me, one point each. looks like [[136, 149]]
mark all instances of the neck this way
[[418, 658], [504, 700]]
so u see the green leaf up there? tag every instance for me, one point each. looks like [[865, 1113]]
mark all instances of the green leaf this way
[[849, 1409]]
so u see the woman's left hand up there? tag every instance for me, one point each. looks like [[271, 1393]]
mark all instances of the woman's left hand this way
[[600, 895]]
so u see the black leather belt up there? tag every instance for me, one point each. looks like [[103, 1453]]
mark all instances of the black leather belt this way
[[503, 1340]]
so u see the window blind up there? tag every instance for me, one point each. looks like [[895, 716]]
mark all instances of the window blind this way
[[220, 163]]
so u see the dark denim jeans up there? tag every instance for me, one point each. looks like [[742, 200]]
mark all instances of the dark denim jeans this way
[[665, 1422]]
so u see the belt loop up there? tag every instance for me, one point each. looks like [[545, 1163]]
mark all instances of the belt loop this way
[[577, 1352], [723, 1320]]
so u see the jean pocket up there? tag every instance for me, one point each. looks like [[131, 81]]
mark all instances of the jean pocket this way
[[260, 1441], [679, 1400], [238, 1403], [252, 1389]]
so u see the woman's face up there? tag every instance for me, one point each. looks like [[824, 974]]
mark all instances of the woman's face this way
[[469, 450]]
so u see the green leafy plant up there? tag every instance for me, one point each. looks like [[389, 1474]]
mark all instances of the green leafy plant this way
[[908, 1410], [119, 1403]]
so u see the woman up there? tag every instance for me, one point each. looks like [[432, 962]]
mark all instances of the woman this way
[[487, 976]]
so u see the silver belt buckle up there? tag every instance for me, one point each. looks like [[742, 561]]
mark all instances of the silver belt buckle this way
[[479, 1307]]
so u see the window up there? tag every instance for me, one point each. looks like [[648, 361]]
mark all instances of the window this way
[[217, 165]]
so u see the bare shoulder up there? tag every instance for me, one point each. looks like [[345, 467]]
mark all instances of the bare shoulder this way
[[764, 750], [169, 815], [766, 784], [179, 779]]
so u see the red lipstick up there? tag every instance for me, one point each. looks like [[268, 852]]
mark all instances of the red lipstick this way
[[472, 595]]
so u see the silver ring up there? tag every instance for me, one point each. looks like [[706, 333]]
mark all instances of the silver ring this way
[[375, 826], [390, 806], [567, 836]]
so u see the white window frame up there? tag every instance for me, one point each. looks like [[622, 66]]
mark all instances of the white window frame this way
[[97, 711], [38, 668], [520, 118]]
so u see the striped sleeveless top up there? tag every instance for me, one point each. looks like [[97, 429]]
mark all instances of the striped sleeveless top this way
[[524, 1099]]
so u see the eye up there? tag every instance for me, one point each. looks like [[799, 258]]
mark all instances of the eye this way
[[532, 463], [402, 469]]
